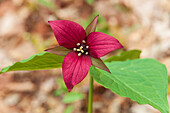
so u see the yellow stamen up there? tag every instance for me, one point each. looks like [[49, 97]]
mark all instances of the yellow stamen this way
[[81, 47], [78, 50], [82, 51]]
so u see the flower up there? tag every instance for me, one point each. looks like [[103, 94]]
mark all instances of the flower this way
[[81, 48]]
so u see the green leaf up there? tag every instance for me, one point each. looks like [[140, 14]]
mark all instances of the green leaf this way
[[72, 97], [61, 84], [169, 79], [58, 92], [46, 3], [62, 87], [132, 54], [69, 109], [90, 2], [39, 61], [142, 80]]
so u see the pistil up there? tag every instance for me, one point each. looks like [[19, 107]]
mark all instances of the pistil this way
[[82, 48]]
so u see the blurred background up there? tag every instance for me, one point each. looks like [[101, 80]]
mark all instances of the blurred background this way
[[24, 31]]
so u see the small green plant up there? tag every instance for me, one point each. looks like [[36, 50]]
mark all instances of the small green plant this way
[[68, 98], [142, 80]]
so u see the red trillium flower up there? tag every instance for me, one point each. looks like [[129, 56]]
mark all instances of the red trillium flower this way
[[81, 48]]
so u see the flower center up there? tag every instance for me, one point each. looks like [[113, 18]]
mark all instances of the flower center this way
[[81, 48]]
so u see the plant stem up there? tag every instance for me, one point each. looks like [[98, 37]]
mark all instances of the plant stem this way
[[90, 104]]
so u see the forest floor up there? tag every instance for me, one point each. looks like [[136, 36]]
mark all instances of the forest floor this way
[[24, 31]]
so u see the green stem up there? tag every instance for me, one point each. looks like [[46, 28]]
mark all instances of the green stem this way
[[90, 105]]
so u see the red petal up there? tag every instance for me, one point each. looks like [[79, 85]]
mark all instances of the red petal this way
[[67, 33], [101, 44], [60, 50], [92, 26], [75, 68]]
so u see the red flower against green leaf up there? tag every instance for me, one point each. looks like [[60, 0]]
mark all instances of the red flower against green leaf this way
[[81, 48]]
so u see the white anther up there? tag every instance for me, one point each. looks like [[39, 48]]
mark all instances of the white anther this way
[[87, 47], [74, 49], [79, 54], [84, 41], [81, 47], [86, 53], [78, 44], [78, 50]]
